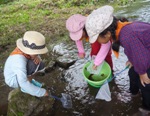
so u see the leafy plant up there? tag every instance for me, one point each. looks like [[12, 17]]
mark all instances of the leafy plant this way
[[5, 1]]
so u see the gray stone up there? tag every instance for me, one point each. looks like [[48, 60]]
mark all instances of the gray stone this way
[[22, 104]]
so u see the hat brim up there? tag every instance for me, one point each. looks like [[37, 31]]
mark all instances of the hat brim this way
[[28, 50], [93, 38], [77, 35]]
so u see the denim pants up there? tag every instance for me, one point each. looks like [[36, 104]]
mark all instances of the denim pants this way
[[32, 67], [135, 86]]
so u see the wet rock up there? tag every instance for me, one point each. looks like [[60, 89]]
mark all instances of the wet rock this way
[[65, 62], [21, 104], [50, 66], [61, 49], [67, 55]]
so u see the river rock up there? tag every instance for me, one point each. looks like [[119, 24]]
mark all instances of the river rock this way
[[65, 62], [22, 104], [66, 55]]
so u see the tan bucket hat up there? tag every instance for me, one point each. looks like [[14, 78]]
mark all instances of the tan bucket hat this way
[[32, 43]]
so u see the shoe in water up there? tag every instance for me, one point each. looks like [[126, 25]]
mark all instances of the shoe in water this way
[[36, 83], [144, 111]]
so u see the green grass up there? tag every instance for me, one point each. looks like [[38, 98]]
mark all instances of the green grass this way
[[45, 16], [19, 16]]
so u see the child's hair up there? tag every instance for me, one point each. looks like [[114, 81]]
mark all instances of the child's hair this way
[[84, 29], [112, 29]]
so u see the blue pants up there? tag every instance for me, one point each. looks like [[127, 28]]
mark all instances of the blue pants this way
[[135, 86], [31, 67]]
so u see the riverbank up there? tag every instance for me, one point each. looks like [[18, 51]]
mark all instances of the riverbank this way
[[47, 17]]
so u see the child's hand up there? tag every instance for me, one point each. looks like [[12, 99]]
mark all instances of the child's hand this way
[[128, 63], [144, 79], [94, 67], [37, 60], [46, 93], [81, 55]]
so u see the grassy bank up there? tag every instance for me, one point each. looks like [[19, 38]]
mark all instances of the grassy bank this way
[[45, 16]]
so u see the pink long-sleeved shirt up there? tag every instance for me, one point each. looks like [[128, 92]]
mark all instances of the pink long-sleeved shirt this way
[[101, 55]]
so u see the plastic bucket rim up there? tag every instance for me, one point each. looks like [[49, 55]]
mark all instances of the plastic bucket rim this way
[[95, 83]]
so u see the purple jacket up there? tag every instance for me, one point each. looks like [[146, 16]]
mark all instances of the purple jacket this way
[[135, 39]]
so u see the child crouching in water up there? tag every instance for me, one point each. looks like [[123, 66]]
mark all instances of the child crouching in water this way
[[24, 61]]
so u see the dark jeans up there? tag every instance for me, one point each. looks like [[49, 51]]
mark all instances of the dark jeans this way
[[31, 67], [135, 86]]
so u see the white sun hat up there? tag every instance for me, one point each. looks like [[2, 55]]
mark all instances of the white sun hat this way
[[98, 21], [32, 43]]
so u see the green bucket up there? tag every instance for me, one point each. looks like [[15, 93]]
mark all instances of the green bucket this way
[[99, 79]]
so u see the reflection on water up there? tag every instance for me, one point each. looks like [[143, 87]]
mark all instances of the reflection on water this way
[[83, 95], [138, 11]]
